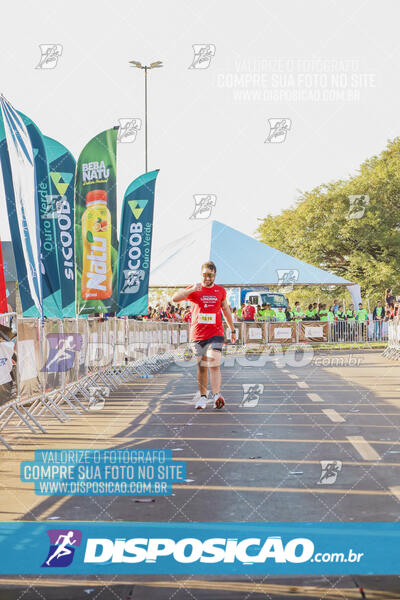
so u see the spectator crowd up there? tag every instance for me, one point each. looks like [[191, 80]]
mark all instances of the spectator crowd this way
[[383, 311]]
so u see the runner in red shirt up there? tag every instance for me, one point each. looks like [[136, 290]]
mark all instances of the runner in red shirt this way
[[249, 311], [207, 331]]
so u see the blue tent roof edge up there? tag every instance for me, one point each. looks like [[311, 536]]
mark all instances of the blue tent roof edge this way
[[241, 260], [222, 237]]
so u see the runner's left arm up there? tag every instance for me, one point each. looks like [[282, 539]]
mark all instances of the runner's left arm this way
[[228, 317]]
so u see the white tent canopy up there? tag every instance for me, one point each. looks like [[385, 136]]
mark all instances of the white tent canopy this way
[[240, 259]]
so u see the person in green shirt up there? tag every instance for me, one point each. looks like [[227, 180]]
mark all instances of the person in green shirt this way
[[261, 312], [362, 318], [297, 313], [309, 314], [239, 311], [378, 316], [351, 325], [280, 315], [340, 323], [315, 309], [269, 312], [362, 314], [323, 313], [331, 319]]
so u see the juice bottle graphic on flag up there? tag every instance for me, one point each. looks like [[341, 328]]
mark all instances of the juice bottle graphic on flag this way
[[96, 281]]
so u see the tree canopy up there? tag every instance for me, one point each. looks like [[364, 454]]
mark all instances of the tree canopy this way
[[350, 227]]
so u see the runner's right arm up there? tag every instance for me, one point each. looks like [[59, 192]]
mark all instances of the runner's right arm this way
[[183, 294]]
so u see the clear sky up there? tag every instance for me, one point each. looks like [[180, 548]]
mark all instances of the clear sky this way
[[330, 67]]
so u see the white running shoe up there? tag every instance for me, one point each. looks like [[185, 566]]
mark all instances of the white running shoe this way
[[219, 401], [201, 403]]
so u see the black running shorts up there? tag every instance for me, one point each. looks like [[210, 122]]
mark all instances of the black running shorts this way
[[200, 347]]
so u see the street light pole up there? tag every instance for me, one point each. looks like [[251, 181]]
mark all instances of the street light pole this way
[[145, 118], [154, 65]]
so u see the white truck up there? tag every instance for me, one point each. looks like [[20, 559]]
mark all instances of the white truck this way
[[263, 297]]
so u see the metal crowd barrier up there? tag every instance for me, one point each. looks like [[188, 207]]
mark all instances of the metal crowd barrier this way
[[392, 349], [54, 369], [291, 332]]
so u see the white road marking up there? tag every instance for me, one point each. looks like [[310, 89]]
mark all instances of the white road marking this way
[[315, 397], [395, 490], [364, 448], [333, 415], [292, 376], [302, 384]]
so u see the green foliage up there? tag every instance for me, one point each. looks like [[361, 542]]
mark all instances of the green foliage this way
[[321, 231]]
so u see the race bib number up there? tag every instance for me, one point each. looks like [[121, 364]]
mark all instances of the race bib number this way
[[207, 318]]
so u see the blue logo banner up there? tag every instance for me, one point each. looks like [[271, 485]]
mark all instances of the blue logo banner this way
[[62, 171], [47, 225], [135, 246], [17, 172], [200, 548]]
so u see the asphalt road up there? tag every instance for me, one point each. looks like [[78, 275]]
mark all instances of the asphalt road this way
[[258, 459]]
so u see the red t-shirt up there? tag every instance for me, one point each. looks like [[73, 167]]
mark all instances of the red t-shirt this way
[[248, 312], [206, 312], [188, 317]]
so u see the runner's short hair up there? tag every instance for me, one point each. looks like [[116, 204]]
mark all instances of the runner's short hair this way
[[209, 265]]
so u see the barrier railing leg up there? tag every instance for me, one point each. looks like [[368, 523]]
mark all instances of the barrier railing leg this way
[[67, 399], [6, 444], [10, 416], [73, 394], [22, 418], [54, 411], [26, 411]]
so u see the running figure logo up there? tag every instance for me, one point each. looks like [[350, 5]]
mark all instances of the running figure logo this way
[[278, 129], [62, 349], [251, 394], [62, 547], [330, 471], [287, 276], [128, 129], [54, 207], [203, 53], [97, 397], [357, 206], [132, 281], [50, 53], [203, 205]]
